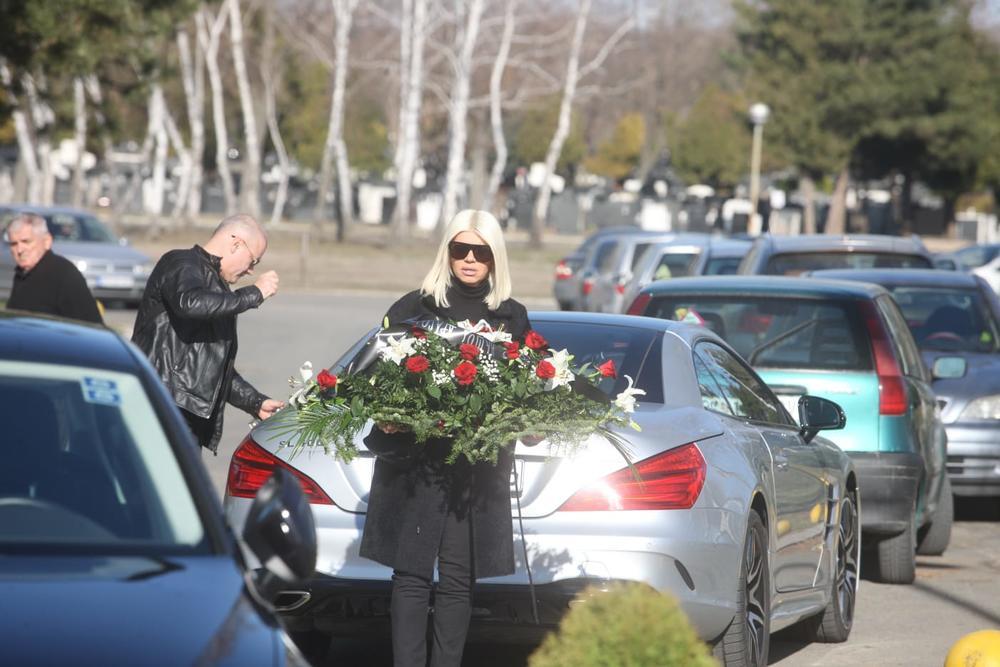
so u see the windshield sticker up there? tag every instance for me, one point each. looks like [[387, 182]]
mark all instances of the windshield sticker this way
[[688, 316], [100, 391]]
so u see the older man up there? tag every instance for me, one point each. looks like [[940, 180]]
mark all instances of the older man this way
[[186, 324], [45, 282]]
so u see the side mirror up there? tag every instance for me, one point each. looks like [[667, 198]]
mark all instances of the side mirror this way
[[819, 414], [280, 532], [949, 368]]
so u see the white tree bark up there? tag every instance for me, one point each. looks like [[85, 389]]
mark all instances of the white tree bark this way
[[184, 157], [193, 79], [496, 106], [405, 47], [209, 32], [25, 144], [409, 151], [157, 129], [42, 118], [80, 138], [458, 109], [272, 79], [250, 181], [573, 75]]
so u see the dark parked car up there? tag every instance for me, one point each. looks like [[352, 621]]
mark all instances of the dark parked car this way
[[113, 547], [848, 342], [568, 286], [955, 319], [792, 255], [113, 270]]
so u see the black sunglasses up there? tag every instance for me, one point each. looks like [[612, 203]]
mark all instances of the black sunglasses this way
[[458, 250]]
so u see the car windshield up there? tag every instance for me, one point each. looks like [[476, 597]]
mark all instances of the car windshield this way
[[722, 266], [87, 466], [674, 265], [779, 331], [793, 264], [66, 227], [976, 256], [957, 320]]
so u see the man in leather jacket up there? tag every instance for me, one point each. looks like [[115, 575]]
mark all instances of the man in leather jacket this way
[[186, 325]]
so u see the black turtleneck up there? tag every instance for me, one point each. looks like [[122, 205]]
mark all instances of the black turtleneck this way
[[465, 302]]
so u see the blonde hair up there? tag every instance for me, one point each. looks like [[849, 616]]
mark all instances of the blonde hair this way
[[438, 279]]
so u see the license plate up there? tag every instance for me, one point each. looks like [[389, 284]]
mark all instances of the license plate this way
[[115, 282], [791, 403]]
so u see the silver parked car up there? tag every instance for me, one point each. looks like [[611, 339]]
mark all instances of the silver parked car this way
[[113, 270], [604, 288], [685, 256], [747, 518], [793, 255], [567, 286]]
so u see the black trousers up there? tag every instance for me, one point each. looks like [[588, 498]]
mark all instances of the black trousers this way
[[452, 603]]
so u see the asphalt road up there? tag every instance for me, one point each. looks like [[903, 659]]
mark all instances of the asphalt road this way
[[954, 594]]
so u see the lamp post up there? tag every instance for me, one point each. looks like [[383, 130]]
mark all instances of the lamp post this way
[[759, 114]]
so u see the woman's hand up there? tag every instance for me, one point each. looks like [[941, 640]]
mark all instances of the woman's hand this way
[[390, 428]]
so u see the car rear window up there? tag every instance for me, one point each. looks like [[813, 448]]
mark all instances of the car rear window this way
[[778, 331], [723, 266], [793, 264]]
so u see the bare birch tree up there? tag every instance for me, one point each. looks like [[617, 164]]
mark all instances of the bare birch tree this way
[[496, 106], [25, 143], [193, 80], [573, 75], [209, 33], [250, 180], [79, 138], [335, 148], [42, 118], [272, 79], [458, 107], [412, 32]]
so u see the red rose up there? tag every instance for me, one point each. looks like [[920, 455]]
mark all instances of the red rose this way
[[608, 369], [468, 351], [513, 349], [417, 332], [417, 364], [465, 373], [535, 341], [325, 380], [545, 370]]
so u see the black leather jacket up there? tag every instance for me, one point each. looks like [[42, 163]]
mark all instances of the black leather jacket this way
[[186, 325]]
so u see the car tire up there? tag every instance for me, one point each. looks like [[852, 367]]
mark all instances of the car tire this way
[[746, 641], [835, 622], [933, 540], [897, 555]]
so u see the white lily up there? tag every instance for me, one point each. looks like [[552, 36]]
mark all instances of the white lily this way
[[560, 360], [625, 401], [306, 371], [483, 328], [300, 386], [397, 349]]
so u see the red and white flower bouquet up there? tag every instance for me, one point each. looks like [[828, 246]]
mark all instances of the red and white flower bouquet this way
[[466, 382]]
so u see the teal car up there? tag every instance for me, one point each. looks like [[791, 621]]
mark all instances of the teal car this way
[[848, 342]]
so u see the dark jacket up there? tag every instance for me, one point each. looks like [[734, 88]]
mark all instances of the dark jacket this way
[[186, 325], [54, 286], [410, 497]]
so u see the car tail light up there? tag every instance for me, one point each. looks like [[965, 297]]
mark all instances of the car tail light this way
[[563, 270], [891, 387], [669, 481], [252, 465], [638, 306], [588, 286], [620, 288]]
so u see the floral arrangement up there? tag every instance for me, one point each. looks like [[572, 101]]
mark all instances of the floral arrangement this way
[[466, 382]]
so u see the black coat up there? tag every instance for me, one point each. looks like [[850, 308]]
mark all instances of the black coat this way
[[54, 286], [410, 496], [186, 325]]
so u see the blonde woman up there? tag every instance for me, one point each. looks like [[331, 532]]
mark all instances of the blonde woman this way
[[422, 510]]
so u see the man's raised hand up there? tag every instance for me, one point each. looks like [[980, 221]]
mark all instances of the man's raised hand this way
[[267, 283]]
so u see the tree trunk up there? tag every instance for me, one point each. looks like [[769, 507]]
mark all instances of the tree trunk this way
[[80, 138], [496, 107], [42, 118], [837, 216], [344, 10], [907, 223], [808, 188], [184, 157], [405, 48], [26, 147], [209, 33], [193, 79], [250, 181], [478, 154], [157, 128], [562, 126], [458, 110], [272, 81], [93, 88], [410, 117]]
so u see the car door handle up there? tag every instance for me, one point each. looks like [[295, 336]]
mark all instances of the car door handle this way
[[780, 462]]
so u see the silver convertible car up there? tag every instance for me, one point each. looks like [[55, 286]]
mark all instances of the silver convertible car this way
[[748, 519]]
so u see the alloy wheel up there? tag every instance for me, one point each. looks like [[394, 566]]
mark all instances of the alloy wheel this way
[[757, 594], [847, 562]]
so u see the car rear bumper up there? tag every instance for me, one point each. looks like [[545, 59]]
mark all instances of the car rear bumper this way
[[974, 459], [888, 485]]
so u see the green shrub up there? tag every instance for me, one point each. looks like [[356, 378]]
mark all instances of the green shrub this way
[[629, 625]]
